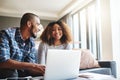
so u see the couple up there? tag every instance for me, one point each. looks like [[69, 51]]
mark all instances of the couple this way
[[17, 47]]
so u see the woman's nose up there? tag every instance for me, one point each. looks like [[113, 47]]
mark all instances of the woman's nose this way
[[56, 31]]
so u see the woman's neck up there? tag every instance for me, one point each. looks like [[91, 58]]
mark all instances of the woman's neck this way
[[57, 42]]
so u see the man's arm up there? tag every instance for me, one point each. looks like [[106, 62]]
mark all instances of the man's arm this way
[[34, 68]]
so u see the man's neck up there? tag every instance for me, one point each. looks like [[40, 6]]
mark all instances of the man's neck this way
[[24, 34]]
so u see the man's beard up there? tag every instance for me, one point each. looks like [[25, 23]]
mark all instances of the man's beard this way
[[31, 32]]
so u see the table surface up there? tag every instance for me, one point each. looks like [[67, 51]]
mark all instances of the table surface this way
[[82, 76], [86, 76]]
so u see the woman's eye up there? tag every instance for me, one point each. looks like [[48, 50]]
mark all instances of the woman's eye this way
[[59, 29]]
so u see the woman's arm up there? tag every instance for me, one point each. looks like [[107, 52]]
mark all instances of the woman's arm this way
[[42, 51]]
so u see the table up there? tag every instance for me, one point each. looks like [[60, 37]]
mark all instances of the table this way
[[82, 76], [87, 76]]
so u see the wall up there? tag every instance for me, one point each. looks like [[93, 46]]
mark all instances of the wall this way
[[6, 22], [115, 21], [105, 30], [110, 31]]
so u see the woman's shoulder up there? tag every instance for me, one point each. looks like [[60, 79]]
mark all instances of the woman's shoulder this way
[[43, 44], [67, 46]]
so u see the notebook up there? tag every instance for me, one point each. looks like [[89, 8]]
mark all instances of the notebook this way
[[62, 64]]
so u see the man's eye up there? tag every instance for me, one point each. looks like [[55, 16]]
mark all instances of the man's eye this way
[[38, 24]]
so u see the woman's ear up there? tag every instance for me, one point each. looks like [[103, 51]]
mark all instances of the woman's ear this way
[[29, 23]]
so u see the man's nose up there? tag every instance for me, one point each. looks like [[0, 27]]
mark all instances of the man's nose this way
[[40, 27]]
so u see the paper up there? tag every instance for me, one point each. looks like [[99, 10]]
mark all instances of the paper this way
[[96, 76]]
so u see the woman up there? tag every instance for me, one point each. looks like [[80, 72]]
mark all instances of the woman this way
[[56, 35]]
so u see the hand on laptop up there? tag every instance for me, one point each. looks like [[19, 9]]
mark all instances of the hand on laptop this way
[[38, 69]]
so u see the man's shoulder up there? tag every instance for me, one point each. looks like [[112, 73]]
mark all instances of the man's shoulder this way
[[9, 31]]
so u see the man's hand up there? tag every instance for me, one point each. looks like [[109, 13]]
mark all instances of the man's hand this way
[[38, 69], [33, 68]]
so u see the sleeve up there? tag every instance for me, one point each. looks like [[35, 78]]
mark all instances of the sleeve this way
[[42, 51], [4, 47], [31, 56], [68, 46]]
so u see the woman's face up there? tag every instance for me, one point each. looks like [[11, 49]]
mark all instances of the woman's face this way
[[57, 32]]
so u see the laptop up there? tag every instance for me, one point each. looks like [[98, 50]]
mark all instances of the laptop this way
[[62, 64]]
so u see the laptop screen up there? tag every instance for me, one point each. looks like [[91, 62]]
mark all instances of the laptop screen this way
[[62, 64]]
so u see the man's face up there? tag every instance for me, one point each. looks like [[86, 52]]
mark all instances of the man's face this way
[[35, 27]]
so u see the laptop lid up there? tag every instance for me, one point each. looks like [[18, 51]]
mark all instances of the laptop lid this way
[[62, 64]]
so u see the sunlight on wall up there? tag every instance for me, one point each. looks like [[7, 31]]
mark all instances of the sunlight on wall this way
[[115, 21]]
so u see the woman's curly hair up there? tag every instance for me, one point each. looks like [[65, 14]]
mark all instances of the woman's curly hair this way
[[46, 36]]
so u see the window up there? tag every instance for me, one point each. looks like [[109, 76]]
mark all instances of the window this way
[[76, 31], [84, 28]]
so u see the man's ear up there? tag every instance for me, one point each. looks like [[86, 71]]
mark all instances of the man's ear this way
[[28, 23]]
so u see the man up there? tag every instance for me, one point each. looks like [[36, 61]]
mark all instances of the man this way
[[17, 49]]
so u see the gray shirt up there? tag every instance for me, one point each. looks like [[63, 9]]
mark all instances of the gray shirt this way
[[43, 48]]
